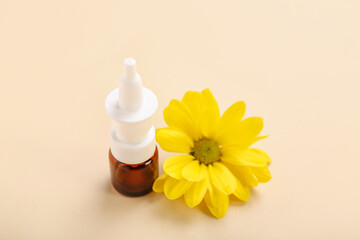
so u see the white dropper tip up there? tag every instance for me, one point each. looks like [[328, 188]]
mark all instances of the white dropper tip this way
[[129, 68], [130, 89]]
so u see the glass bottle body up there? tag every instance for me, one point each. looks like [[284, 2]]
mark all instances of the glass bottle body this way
[[134, 179]]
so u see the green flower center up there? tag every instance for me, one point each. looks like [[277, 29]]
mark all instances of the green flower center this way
[[206, 151]]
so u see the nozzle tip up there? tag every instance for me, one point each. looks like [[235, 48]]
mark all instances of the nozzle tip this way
[[129, 68], [129, 62]]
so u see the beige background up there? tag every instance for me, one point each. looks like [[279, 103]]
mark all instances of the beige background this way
[[295, 63]]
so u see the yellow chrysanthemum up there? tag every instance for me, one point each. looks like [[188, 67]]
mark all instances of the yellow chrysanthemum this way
[[218, 160]]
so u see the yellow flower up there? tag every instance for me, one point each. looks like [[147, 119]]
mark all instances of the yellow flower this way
[[218, 160]]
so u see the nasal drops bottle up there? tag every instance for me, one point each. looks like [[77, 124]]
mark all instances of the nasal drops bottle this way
[[133, 154]]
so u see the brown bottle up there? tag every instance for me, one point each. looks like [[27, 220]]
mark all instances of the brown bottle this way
[[133, 154], [134, 179]]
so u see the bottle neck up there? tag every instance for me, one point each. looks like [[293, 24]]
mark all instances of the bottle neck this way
[[133, 153]]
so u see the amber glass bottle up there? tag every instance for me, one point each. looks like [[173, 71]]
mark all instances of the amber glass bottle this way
[[134, 179]]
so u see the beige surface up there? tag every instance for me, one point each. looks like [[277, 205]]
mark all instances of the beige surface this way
[[295, 63]]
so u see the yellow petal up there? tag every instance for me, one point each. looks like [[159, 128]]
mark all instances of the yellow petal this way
[[211, 194], [195, 102], [260, 138], [174, 188], [242, 133], [242, 191], [210, 100], [242, 145], [217, 202], [173, 140], [194, 171], [178, 115], [244, 174], [232, 116], [159, 183], [249, 157], [222, 178], [196, 193], [268, 159], [174, 165], [209, 122], [262, 174], [261, 154]]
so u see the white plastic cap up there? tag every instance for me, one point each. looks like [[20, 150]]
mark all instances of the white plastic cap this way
[[133, 153], [131, 107]]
